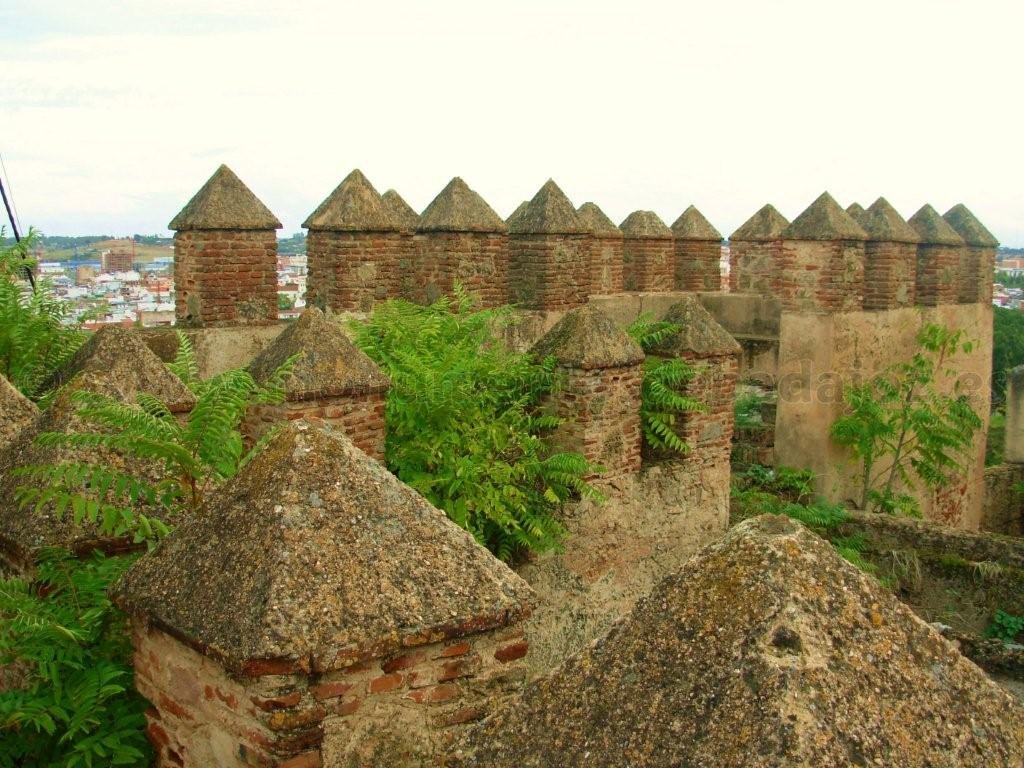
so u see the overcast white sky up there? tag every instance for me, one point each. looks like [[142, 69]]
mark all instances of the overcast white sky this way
[[112, 114]]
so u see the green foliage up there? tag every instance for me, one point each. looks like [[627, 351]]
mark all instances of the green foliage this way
[[284, 301], [1006, 626], [747, 410], [1007, 347], [464, 424], [796, 485], [36, 333], [661, 396], [65, 646], [901, 428], [191, 458]]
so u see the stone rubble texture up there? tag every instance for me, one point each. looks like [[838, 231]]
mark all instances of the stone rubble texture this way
[[939, 254], [16, 412], [648, 253], [890, 258], [753, 249], [698, 253], [605, 250]]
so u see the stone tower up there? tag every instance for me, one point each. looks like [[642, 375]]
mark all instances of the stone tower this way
[[549, 253], [978, 264], [460, 239], [890, 257], [753, 251], [605, 250], [820, 266], [938, 258], [353, 248], [225, 256], [647, 253], [698, 253]]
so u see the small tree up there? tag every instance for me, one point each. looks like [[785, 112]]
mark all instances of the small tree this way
[[903, 430]]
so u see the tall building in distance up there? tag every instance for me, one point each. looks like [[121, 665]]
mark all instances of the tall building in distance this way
[[119, 258]]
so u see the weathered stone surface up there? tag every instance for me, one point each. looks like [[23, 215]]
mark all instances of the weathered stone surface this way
[[932, 229], [548, 212], [765, 649], [882, 222], [224, 202], [457, 208], [824, 220], [700, 335], [597, 222], [890, 258], [16, 412], [753, 250], [404, 214], [764, 226], [643, 225], [316, 557], [586, 338], [353, 206], [856, 210], [691, 225], [966, 224]]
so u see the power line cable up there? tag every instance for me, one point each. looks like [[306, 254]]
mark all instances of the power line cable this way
[[17, 235], [10, 186]]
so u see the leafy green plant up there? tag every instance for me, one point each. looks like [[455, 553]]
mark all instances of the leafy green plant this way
[[747, 411], [902, 430], [1006, 626], [37, 334], [70, 700], [793, 484], [1007, 347], [662, 396], [464, 424], [192, 458]]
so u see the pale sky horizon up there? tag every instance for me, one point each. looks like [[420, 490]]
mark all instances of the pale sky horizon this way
[[112, 114]]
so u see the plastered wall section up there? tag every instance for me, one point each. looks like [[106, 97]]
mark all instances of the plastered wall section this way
[[819, 354]]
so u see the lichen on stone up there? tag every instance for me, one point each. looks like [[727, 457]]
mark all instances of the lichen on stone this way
[[587, 338], [457, 208], [932, 229], [764, 226], [645, 225], [353, 206], [960, 218], [224, 202], [598, 224], [548, 212], [824, 220], [692, 225]]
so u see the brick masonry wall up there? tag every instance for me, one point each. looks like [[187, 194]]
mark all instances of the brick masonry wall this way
[[601, 412], [697, 265], [937, 267], [351, 271], [477, 260], [605, 265], [648, 265], [977, 268], [225, 277], [889, 275], [549, 271], [751, 265], [820, 275], [359, 417], [412, 704]]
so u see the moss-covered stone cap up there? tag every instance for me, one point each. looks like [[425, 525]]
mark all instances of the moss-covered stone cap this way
[[960, 218], [691, 225], [801, 659], [516, 214], [403, 213], [856, 210], [457, 208], [330, 365], [587, 338], [764, 226], [932, 229], [700, 333], [883, 223], [353, 206], [645, 225], [121, 356], [549, 212], [16, 412], [316, 555], [597, 223], [224, 202], [824, 220]]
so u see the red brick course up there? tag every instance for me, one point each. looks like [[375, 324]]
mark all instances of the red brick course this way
[[697, 265], [820, 275], [889, 275], [549, 271], [937, 268], [476, 260], [751, 266], [976, 274], [351, 271], [605, 265], [648, 265]]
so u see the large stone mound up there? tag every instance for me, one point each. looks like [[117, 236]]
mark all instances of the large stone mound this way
[[765, 649]]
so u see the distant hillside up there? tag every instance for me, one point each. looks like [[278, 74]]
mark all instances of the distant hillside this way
[[292, 245]]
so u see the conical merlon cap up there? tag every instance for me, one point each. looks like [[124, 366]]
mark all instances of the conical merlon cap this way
[[587, 338], [330, 365], [645, 225], [549, 212], [317, 554], [122, 357], [700, 334], [691, 225], [597, 222], [856, 210], [969, 228], [353, 206], [765, 649], [932, 228], [824, 220], [764, 226], [457, 208], [883, 223], [401, 210], [224, 202]]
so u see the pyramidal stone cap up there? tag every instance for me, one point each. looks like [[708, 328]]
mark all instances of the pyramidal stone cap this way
[[597, 223], [549, 212], [457, 208], [402, 212], [700, 333], [516, 214], [315, 554], [736, 660], [856, 210], [764, 226], [645, 225], [120, 356], [691, 225], [16, 412], [932, 228], [883, 223], [824, 220], [586, 338], [353, 206], [224, 202], [330, 365], [969, 228]]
